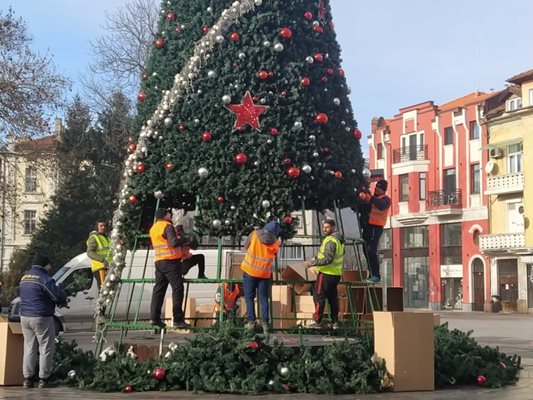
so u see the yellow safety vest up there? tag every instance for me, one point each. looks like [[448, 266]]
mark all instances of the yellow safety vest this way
[[335, 267], [103, 250]]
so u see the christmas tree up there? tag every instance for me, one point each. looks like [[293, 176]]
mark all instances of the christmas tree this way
[[243, 116]]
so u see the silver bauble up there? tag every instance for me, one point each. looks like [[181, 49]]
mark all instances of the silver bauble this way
[[219, 39], [211, 74], [256, 163], [278, 47], [216, 223], [202, 172], [209, 9], [266, 43], [307, 168], [269, 141], [226, 99], [158, 194], [309, 60], [227, 222], [353, 171], [348, 129], [315, 154], [298, 125], [336, 101], [270, 384], [284, 371], [312, 137], [367, 173], [242, 56], [232, 207], [258, 2], [72, 374], [316, 23], [343, 123], [265, 204], [196, 121], [168, 121]]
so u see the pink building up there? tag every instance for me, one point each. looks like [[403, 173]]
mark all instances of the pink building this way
[[432, 157]]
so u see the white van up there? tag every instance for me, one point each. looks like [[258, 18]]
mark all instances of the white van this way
[[76, 277]]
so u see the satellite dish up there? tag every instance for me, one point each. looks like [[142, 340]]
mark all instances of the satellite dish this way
[[490, 167]]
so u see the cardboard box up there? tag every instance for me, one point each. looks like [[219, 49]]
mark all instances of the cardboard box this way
[[395, 298], [11, 353], [204, 319], [189, 308], [298, 272], [405, 341], [283, 317], [233, 261], [206, 308], [349, 275], [364, 299], [305, 304]]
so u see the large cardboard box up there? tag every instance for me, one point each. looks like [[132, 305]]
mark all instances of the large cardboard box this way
[[298, 272], [233, 262], [204, 319], [11, 353], [305, 304], [283, 317], [395, 298], [405, 341], [189, 308]]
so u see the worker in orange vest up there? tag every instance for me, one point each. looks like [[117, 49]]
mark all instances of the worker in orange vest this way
[[261, 246], [167, 247], [380, 204]]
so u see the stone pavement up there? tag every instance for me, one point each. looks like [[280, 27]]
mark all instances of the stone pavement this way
[[512, 333]]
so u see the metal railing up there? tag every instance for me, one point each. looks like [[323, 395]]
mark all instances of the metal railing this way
[[444, 199], [410, 153]]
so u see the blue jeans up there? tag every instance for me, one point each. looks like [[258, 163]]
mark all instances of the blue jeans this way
[[251, 285]]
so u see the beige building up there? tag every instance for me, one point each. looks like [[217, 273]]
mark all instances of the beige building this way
[[28, 178], [509, 119]]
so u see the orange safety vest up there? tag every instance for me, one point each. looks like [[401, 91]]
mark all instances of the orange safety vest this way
[[378, 217], [162, 250], [259, 257]]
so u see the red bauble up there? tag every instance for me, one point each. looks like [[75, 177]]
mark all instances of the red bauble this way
[[132, 147], [287, 161], [145, 75], [481, 380], [308, 15], [270, 74], [318, 29], [235, 65], [128, 389], [141, 96], [169, 166], [207, 136], [140, 168], [363, 196], [305, 81], [321, 118], [159, 42], [338, 174], [357, 134], [205, 29], [234, 37], [263, 75], [253, 345], [171, 16], [293, 172], [178, 29], [130, 139], [330, 71], [181, 127], [285, 33], [220, 199], [324, 79], [132, 199], [287, 219], [274, 131], [241, 158], [283, 93], [318, 57], [326, 149], [159, 373], [340, 71]]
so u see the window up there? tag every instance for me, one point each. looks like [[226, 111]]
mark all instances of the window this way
[[379, 151], [404, 187], [475, 179], [29, 221], [449, 181], [422, 186], [385, 240], [292, 251], [415, 236], [451, 234], [31, 180], [474, 130], [448, 135], [513, 104], [514, 158], [531, 97]]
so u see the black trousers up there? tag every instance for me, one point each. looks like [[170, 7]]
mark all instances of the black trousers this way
[[196, 259], [326, 288], [371, 235], [167, 272]]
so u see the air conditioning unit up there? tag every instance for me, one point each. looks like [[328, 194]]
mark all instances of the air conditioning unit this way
[[496, 152]]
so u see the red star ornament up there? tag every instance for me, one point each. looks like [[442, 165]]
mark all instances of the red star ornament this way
[[247, 112]]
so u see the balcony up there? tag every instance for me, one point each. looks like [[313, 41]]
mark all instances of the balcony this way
[[410, 159], [502, 243], [442, 202], [503, 184], [410, 153]]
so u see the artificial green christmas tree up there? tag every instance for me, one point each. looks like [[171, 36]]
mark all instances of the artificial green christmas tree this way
[[243, 115]]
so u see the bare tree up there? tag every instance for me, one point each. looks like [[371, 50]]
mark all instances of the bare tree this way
[[30, 87], [120, 56]]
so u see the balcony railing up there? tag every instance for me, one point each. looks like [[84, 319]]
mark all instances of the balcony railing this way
[[501, 241], [440, 199], [410, 153], [509, 183]]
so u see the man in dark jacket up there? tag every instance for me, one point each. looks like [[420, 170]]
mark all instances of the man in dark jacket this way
[[328, 262], [39, 296]]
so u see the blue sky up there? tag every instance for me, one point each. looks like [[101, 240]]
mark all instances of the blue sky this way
[[396, 53]]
